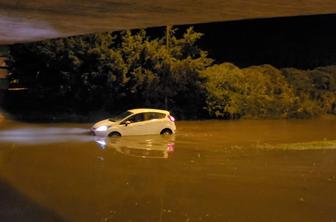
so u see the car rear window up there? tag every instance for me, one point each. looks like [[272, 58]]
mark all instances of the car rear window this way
[[152, 115]]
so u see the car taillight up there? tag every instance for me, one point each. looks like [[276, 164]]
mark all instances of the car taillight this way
[[171, 118]]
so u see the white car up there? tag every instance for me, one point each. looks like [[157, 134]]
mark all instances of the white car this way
[[136, 122]]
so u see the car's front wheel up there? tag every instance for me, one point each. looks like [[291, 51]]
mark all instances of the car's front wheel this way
[[114, 134], [166, 132]]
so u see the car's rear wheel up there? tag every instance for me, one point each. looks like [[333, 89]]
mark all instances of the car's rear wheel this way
[[114, 134], [166, 132]]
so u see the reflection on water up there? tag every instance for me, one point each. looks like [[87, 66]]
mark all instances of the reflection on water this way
[[219, 171], [44, 135], [154, 146]]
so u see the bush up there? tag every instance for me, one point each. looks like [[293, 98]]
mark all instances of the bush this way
[[315, 91], [254, 92]]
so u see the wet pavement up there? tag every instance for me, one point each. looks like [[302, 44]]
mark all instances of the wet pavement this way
[[250, 170]]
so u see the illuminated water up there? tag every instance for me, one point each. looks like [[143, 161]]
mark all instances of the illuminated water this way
[[209, 171]]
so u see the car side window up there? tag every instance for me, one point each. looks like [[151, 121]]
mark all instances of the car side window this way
[[151, 116], [136, 118]]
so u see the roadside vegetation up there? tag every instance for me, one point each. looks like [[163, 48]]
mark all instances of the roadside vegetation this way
[[266, 92], [103, 74]]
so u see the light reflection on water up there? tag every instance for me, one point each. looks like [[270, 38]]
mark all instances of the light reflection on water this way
[[154, 146], [44, 135]]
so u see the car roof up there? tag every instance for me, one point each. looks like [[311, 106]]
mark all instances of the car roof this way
[[144, 110]]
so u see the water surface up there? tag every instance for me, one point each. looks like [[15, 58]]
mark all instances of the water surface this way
[[256, 170]]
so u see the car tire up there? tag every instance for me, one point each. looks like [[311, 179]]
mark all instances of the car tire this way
[[114, 134], [166, 132]]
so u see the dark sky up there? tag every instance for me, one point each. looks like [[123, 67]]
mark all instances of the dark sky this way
[[301, 42]]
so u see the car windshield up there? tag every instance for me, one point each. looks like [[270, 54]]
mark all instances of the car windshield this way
[[120, 116]]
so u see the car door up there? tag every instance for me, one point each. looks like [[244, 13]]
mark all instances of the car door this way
[[134, 125], [153, 122]]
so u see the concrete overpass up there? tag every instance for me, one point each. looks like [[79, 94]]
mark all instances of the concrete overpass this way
[[31, 20]]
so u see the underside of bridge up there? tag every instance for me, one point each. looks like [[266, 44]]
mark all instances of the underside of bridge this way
[[31, 20]]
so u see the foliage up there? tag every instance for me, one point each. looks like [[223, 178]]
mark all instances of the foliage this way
[[112, 72], [315, 89], [266, 92], [254, 92]]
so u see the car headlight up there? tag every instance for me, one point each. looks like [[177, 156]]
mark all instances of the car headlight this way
[[101, 128]]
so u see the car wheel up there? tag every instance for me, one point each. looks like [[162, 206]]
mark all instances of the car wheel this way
[[114, 134], [166, 132]]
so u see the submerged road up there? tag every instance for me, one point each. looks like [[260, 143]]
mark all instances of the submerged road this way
[[257, 170]]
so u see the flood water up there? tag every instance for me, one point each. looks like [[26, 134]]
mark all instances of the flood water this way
[[248, 170]]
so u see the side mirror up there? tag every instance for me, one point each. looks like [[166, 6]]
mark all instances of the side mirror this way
[[127, 122]]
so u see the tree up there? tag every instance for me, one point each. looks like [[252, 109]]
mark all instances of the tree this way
[[254, 92], [112, 72], [315, 90]]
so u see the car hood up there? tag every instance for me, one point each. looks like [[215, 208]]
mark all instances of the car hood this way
[[104, 122]]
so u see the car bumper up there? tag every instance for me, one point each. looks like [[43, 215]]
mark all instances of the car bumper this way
[[98, 133]]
